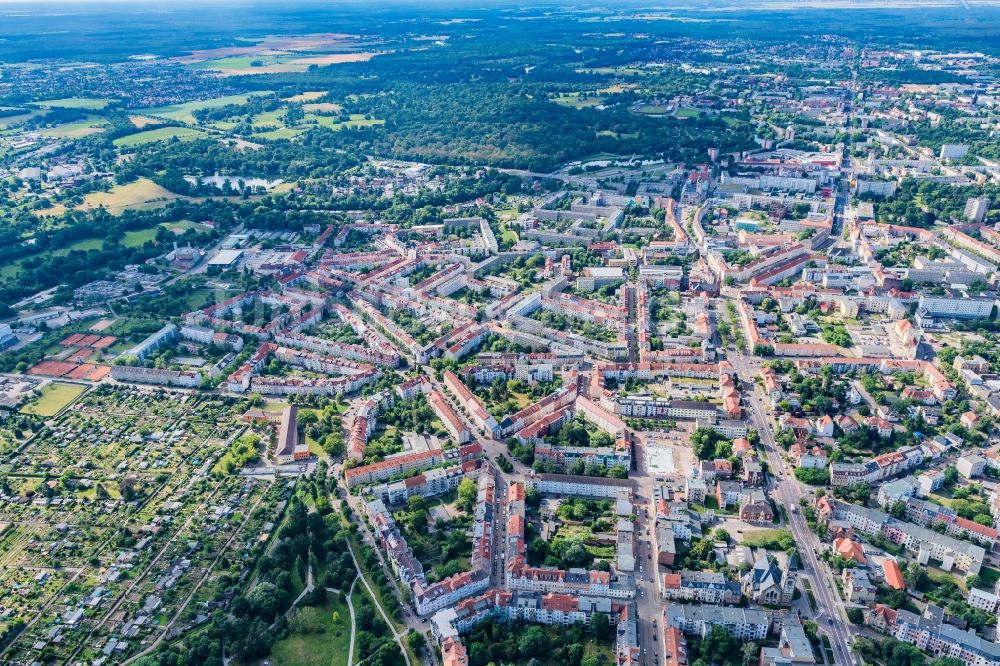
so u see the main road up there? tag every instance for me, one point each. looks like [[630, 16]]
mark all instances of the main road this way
[[787, 491]]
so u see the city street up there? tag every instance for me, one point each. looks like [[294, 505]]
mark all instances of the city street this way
[[786, 492]]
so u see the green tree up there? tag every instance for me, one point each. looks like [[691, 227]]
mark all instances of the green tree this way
[[467, 492], [533, 642], [416, 640]]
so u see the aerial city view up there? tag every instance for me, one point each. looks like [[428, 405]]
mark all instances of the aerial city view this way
[[393, 334]]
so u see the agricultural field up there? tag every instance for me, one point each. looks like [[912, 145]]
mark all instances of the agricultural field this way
[[278, 63], [76, 130]]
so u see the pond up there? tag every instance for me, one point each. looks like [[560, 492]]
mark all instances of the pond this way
[[235, 182]]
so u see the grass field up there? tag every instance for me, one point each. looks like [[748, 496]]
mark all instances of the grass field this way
[[138, 237], [182, 112], [268, 119], [54, 397], [270, 125], [83, 245], [181, 226], [11, 269], [144, 121], [309, 96], [357, 120], [282, 133], [81, 128], [143, 194], [685, 112], [577, 101], [159, 134], [11, 121], [509, 235], [90, 103], [321, 107], [327, 642], [764, 538]]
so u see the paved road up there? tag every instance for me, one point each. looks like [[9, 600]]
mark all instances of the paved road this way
[[787, 491], [649, 608]]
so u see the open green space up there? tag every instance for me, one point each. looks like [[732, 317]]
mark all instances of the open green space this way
[[579, 101], [183, 112], [141, 236], [158, 134], [318, 635], [54, 397]]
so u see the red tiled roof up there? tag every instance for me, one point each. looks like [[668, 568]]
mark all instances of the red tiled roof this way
[[893, 575]]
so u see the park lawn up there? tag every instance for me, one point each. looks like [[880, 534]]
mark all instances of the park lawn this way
[[81, 128], [142, 194], [158, 134], [327, 645], [54, 398], [89, 103], [183, 112]]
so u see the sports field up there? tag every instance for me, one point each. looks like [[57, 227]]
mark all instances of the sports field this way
[[54, 397]]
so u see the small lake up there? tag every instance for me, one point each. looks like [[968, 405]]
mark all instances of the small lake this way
[[235, 182]]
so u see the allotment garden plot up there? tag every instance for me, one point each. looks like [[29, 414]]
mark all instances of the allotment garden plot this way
[[110, 520]]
